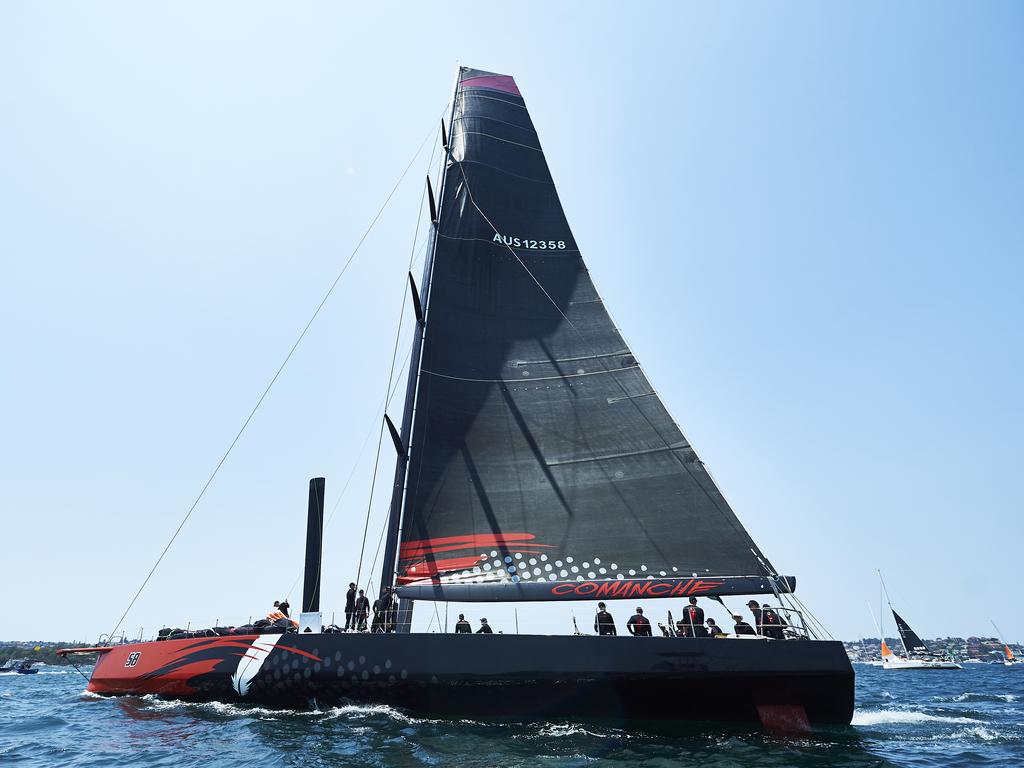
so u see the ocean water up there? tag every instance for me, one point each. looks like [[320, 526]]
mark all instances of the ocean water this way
[[973, 717]]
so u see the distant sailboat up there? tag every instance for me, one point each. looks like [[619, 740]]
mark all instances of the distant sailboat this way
[[1009, 660], [917, 654]]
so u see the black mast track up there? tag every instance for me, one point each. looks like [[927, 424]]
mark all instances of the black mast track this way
[[387, 575]]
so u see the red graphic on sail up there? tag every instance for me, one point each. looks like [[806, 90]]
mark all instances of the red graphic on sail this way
[[417, 561]]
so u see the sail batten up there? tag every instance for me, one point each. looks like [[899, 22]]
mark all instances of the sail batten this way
[[540, 451]]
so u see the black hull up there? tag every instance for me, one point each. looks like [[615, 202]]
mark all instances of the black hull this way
[[520, 677]]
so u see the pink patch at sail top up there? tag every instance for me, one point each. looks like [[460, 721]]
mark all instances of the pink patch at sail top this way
[[494, 82]]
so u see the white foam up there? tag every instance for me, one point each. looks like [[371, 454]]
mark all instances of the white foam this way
[[1007, 697], [565, 729], [224, 708], [878, 717], [978, 732], [246, 710]]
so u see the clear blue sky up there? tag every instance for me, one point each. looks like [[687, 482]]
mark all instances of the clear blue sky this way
[[807, 218]]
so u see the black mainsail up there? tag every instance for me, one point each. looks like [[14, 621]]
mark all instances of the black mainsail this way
[[912, 643], [542, 463]]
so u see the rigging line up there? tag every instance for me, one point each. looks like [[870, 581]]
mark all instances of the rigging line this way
[[380, 539], [391, 372], [351, 474], [733, 521], [266, 391], [355, 466], [521, 263]]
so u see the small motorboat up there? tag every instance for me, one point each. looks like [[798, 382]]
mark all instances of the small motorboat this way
[[18, 667]]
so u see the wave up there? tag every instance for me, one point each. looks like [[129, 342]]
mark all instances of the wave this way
[[567, 729], [241, 709], [223, 708], [977, 732], [1002, 697], [898, 716]]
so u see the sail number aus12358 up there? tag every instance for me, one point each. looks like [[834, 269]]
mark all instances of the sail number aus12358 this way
[[523, 242]]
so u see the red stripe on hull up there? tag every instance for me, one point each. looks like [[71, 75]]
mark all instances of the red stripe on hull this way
[[162, 667]]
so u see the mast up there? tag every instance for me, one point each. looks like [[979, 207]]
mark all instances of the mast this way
[[885, 589], [387, 576]]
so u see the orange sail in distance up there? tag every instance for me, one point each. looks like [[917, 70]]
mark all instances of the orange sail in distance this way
[[1009, 653], [886, 653]]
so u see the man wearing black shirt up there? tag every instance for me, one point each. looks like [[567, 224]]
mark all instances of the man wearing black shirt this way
[[604, 624], [362, 611], [350, 607], [462, 626], [693, 620], [742, 628], [485, 628], [638, 625]]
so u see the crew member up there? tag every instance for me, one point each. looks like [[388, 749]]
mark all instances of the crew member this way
[[773, 623], [604, 624], [279, 612], [766, 620], [638, 625], [485, 628], [755, 610], [692, 622], [276, 613], [742, 628], [362, 611], [713, 629], [382, 612], [350, 607], [463, 627]]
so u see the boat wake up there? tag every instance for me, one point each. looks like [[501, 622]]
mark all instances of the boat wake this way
[[559, 730], [899, 717], [345, 711], [992, 697]]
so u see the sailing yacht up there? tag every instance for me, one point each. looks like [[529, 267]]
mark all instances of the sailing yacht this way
[[535, 462], [1009, 660], [916, 653]]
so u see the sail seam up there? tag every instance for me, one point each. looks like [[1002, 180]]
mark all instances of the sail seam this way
[[504, 170], [517, 381], [462, 93], [498, 138], [496, 120], [627, 454], [613, 400], [518, 363]]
